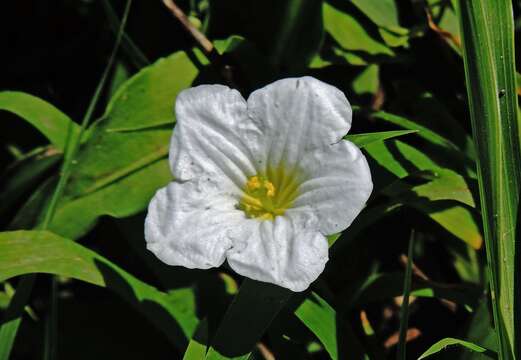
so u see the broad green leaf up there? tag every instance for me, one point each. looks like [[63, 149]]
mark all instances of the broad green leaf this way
[[488, 54], [347, 31], [363, 140], [26, 252], [118, 172], [322, 320], [247, 318], [442, 345], [51, 122]]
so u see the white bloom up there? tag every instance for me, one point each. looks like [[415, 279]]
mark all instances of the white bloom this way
[[259, 182]]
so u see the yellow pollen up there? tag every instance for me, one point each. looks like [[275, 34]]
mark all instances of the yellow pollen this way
[[267, 196]]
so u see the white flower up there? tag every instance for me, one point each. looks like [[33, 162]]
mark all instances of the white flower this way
[[259, 182]]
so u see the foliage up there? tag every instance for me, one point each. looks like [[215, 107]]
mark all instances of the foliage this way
[[73, 192]]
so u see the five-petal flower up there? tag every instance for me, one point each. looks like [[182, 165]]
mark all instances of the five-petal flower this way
[[259, 183]]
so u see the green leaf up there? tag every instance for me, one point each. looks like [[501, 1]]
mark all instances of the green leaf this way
[[401, 160], [51, 122], [480, 329], [488, 54], [247, 318], [117, 173], [367, 82], [362, 140], [424, 132], [443, 344], [196, 349], [347, 31], [458, 220], [12, 318], [26, 252], [382, 12], [444, 184], [323, 321]]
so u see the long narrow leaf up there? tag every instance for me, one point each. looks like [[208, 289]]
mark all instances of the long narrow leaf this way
[[488, 53]]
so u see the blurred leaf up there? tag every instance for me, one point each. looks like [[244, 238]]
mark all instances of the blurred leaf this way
[[480, 330], [401, 160], [424, 132], [368, 81], [488, 54], [345, 28], [285, 21], [448, 342], [24, 175], [336, 336], [401, 352], [12, 317], [456, 219], [26, 252], [247, 318], [380, 287], [444, 184], [137, 57], [362, 140], [51, 122], [249, 67], [383, 13]]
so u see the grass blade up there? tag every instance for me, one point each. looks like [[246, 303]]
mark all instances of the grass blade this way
[[12, 317], [443, 344], [488, 53], [404, 310]]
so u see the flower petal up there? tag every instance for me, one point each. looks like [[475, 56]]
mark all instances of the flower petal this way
[[294, 116], [281, 252], [337, 187], [188, 224], [209, 139]]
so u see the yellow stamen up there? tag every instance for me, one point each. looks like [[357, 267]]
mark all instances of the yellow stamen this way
[[265, 197]]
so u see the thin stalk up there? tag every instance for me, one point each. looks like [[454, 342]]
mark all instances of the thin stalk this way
[[404, 310]]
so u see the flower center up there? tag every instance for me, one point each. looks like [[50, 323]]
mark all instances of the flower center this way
[[267, 196]]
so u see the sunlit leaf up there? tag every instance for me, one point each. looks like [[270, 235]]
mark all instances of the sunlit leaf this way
[[51, 122], [442, 345], [26, 252]]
